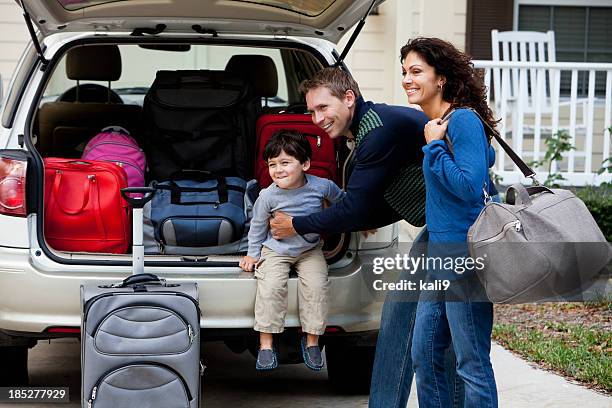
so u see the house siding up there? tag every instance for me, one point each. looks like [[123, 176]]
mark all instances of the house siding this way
[[376, 68], [13, 39]]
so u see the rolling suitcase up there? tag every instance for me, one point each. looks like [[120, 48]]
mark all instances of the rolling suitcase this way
[[140, 338], [324, 162]]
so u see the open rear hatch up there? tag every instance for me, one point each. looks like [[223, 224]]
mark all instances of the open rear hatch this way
[[327, 19]]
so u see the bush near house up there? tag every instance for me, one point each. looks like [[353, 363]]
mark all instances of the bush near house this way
[[599, 202], [597, 199]]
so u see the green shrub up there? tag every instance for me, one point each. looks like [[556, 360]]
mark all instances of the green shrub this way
[[599, 202]]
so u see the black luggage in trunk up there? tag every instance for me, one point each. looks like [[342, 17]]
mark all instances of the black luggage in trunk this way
[[194, 120]]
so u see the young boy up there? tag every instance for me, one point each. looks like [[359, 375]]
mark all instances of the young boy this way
[[288, 156]]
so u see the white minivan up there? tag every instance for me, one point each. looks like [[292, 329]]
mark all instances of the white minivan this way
[[39, 285]]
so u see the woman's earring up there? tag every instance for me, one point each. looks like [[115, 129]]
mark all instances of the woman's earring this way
[[439, 87]]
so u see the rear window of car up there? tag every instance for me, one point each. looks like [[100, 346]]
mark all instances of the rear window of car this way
[[78, 4], [139, 66], [310, 8], [307, 7]]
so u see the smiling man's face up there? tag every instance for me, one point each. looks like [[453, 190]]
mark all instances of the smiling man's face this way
[[330, 113]]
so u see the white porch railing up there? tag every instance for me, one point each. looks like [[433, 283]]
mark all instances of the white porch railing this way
[[526, 97]]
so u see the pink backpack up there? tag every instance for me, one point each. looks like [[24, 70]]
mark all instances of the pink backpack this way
[[115, 145]]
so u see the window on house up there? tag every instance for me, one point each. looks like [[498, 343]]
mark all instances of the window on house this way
[[582, 34]]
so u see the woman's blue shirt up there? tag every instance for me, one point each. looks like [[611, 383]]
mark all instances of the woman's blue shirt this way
[[454, 180]]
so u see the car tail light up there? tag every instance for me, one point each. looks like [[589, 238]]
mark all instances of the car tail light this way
[[329, 329], [333, 329], [13, 187], [64, 330]]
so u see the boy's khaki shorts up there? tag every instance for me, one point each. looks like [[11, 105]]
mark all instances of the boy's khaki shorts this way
[[272, 274]]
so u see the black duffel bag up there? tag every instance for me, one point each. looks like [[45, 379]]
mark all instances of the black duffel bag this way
[[194, 120]]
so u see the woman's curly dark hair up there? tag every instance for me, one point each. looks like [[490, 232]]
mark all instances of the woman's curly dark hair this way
[[464, 85]]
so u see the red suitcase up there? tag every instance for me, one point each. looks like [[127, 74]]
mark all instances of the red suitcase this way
[[324, 161], [84, 210]]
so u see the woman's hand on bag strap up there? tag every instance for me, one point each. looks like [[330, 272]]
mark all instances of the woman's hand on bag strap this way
[[435, 130]]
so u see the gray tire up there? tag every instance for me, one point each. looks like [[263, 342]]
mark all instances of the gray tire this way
[[349, 368], [14, 366]]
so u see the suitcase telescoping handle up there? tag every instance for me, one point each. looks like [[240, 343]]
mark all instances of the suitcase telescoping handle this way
[[140, 278], [137, 204]]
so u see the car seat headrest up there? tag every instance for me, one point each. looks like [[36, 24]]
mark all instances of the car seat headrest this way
[[94, 63], [258, 70]]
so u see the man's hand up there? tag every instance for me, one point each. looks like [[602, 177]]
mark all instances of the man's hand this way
[[248, 263], [281, 225]]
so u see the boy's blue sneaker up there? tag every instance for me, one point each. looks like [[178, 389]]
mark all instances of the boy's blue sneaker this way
[[312, 356], [266, 360]]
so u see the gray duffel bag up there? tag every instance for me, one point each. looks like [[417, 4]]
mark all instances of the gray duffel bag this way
[[540, 245]]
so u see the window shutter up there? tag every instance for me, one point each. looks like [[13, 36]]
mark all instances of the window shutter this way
[[482, 17]]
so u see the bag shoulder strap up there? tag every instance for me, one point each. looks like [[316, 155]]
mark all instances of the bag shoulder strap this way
[[485, 185], [525, 169]]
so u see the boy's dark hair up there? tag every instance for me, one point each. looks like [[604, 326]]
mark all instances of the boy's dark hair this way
[[292, 142]]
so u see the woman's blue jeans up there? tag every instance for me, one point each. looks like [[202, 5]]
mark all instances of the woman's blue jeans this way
[[393, 367], [466, 326], [460, 317]]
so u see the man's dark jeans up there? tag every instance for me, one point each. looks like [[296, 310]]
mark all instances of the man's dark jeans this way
[[393, 372]]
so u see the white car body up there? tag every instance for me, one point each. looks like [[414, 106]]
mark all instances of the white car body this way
[[39, 287]]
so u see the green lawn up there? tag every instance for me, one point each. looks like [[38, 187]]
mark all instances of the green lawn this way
[[583, 353]]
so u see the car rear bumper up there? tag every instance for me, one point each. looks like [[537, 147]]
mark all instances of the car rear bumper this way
[[34, 301]]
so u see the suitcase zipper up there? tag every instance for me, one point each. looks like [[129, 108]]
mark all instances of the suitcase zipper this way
[[317, 137], [155, 99], [188, 217], [103, 295], [190, 334], [112, 143], [514, 224], [121, 163], [185, 189], [92, 398]]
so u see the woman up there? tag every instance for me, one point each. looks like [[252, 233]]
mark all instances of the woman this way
[[442, 81]]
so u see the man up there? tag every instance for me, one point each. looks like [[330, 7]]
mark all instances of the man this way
[[388, 151], [385, 185]]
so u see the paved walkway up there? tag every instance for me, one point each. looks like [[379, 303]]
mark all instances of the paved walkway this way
[[520, 385]]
